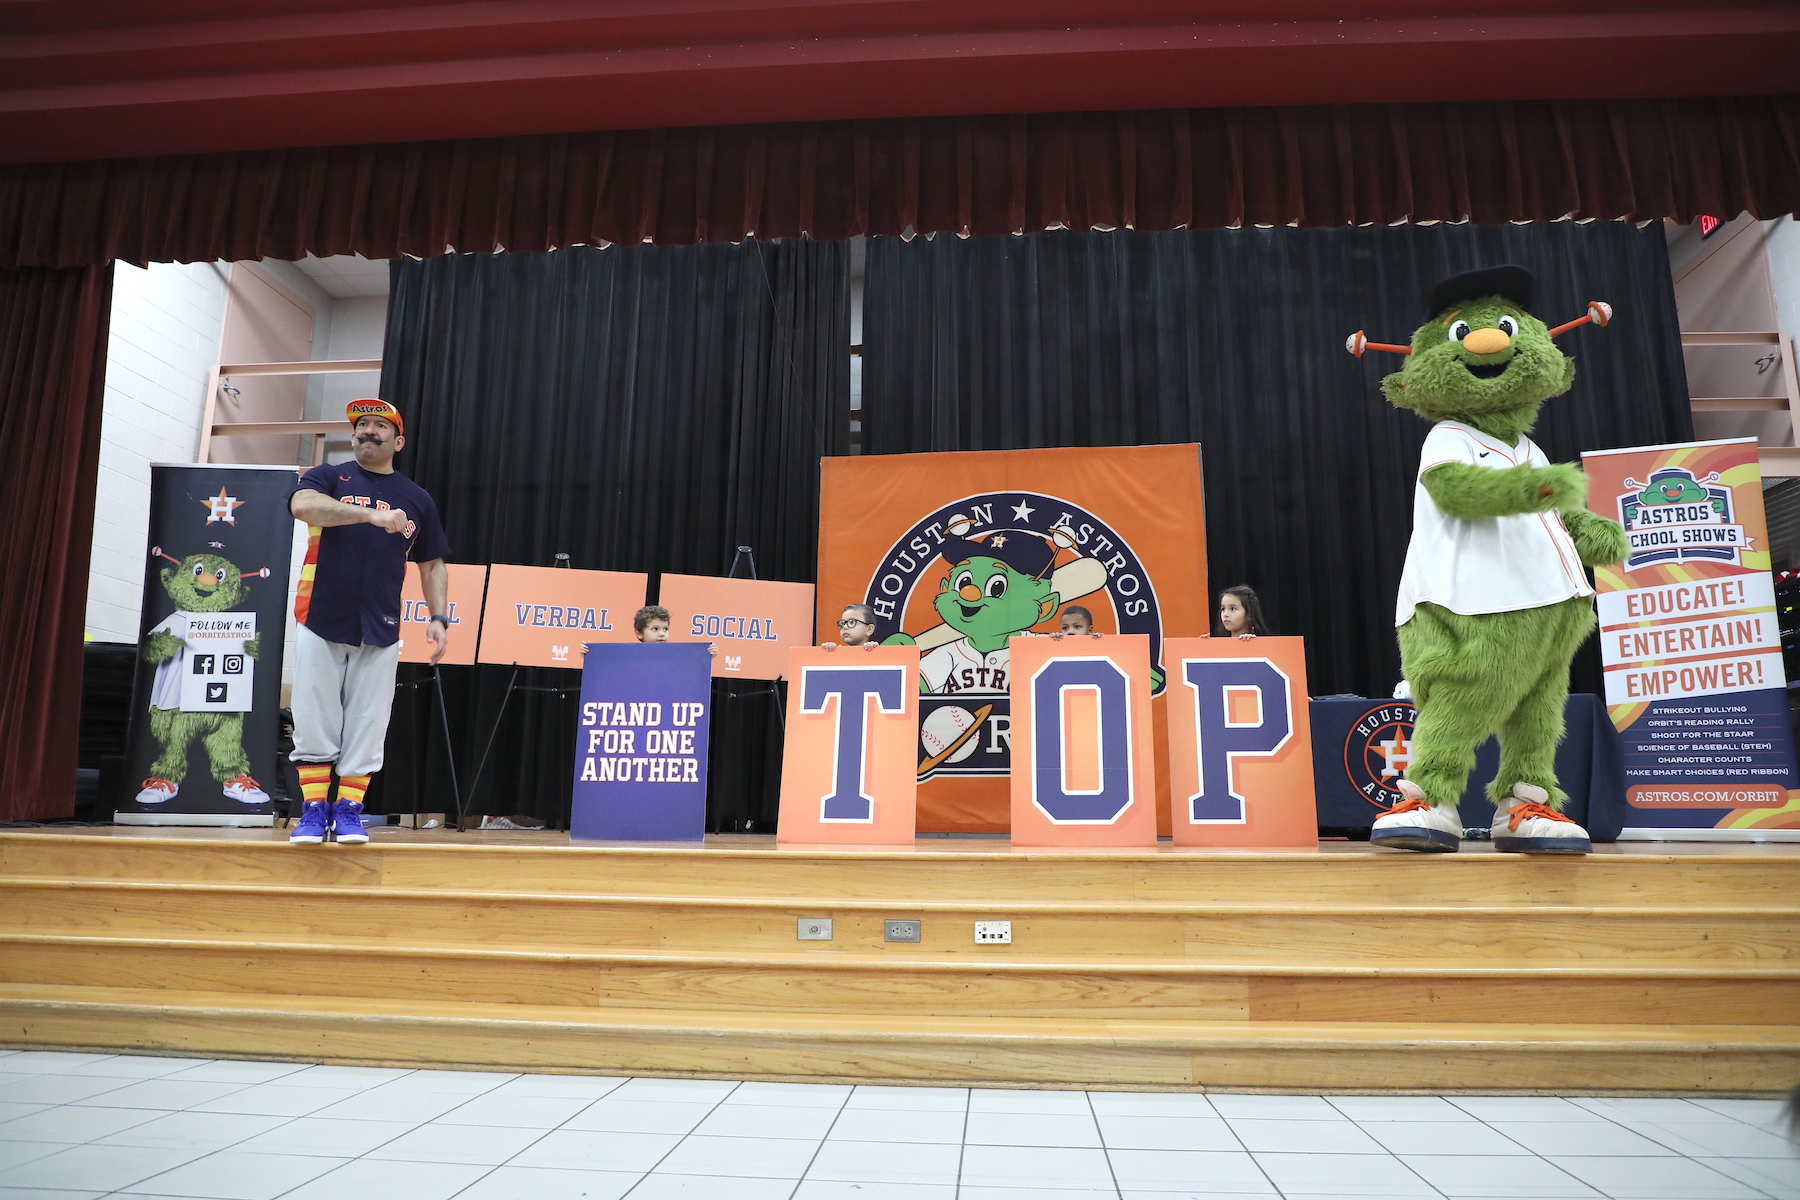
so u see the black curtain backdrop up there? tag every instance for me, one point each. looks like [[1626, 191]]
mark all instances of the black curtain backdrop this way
[[640, 408], [1235, 339]]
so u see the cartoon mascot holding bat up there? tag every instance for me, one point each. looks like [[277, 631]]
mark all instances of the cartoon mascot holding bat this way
[[1000, 584]]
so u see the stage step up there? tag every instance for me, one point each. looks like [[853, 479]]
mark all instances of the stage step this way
[[1347, 968], [973, 873], [1240, 931], [983, 1050], [917, 983]]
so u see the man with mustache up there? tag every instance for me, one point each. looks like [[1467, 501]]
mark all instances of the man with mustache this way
[[365, 521]]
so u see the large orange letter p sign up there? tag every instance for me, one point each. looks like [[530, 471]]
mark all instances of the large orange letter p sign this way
[[1240, 743], [852, 726]]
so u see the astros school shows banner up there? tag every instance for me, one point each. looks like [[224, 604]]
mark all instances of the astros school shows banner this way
[[1240, 743], [755, 623], [205, 703], [640, 743], [958, 553], [542, 616], [466, 586], [1085, 763], [1690, 643], [852, 725]]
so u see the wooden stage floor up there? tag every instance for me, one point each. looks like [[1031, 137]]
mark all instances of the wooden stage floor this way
[[1668, 968]]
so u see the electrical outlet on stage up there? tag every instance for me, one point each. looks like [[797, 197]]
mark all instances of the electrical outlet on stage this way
[[815, 929], [994, 932], [900, 931]]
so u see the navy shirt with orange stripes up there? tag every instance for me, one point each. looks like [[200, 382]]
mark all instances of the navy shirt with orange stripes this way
[[357, 570]]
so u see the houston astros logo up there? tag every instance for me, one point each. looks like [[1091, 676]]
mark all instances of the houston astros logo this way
[[1676, 516], [1378, 749], [984, 569], [221, 508]]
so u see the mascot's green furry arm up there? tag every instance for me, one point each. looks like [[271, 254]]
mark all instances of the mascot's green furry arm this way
[[1493, 602]]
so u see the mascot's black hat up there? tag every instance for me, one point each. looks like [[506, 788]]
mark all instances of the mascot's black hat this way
[[1509, 282], [1025, 552]]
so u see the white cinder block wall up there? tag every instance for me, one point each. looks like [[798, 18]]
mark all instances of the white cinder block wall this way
[[164, 340], [1784, 270]]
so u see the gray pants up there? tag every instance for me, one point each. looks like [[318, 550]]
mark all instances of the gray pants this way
[[342, 697]]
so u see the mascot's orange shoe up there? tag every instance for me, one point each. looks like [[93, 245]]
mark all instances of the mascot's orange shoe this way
[[245, 790], [1526, 824], [157, 791], [1417, 824]]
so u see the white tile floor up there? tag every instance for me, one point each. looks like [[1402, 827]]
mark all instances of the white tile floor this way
[[83, 1126]]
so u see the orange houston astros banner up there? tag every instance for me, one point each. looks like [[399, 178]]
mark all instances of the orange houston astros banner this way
[[959, 553]]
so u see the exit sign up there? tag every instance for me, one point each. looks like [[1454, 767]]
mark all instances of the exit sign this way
[[1709, 226]]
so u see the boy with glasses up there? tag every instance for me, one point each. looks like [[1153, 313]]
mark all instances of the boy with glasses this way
[[856, 627]]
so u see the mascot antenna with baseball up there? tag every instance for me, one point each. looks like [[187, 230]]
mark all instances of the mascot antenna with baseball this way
[[1493, 600]]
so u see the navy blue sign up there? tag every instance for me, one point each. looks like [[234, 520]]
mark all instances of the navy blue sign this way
[[640, 742]]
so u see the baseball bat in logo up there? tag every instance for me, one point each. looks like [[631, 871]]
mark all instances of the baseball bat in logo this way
[[979, 571]]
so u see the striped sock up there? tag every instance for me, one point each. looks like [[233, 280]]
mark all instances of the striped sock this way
[[315, 782], [351, 789]]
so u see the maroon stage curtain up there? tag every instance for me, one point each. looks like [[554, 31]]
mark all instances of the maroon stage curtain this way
[[1195, 168], [53, 326]]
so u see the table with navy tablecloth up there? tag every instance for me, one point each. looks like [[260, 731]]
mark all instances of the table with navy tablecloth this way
[[1360, 748]]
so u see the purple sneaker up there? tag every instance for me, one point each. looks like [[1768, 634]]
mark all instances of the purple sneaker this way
[[346, 822], [315, 822]]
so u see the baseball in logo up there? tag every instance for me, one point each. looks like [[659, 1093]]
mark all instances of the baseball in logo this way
[[981, 570], [1378, 749]]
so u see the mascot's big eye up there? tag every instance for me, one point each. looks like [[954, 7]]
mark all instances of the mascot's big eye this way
[[996, 587], [199, 570], [966, 579], [1459, 330], [1509, 327]]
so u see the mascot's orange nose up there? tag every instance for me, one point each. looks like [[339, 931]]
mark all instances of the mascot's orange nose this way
[[1486, 341], [969, 592]]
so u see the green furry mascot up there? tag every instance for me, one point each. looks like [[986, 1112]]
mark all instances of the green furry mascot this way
[[1493, 600], [199, 584]]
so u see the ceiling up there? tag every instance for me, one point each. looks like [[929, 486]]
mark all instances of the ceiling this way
[[345, 276], [120, 78]]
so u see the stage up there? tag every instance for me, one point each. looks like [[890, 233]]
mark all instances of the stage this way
[[1664, 969]]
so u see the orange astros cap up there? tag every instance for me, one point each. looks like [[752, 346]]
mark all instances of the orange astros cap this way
[[374, 408]]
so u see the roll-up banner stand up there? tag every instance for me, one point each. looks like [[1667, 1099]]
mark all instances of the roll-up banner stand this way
[[1691, 646], [207, 696]]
